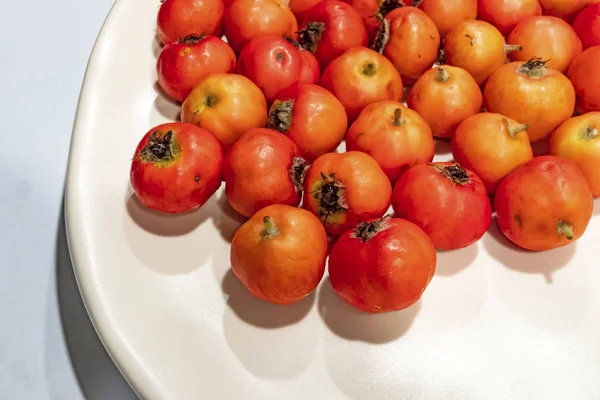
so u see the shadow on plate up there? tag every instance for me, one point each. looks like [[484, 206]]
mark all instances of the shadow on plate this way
[[154, 237], [597, 207], [227, 220], [531, 262], [163, 224], [350, 323], [165, 105], [272, 341], [97, 375], [260, 313], [156, 46], [452, 262]]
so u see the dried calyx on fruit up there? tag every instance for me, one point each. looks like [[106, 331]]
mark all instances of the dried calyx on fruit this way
[[366, 231], [382, 37], [280, 116], [310, 36], [330, 196], [161, 148], [455, 173], [589, 133], [293, 42], [298, 173], [534, 68], [386, 7], [192, 39]]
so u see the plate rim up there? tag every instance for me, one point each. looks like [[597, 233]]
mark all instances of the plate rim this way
[[78, 248]]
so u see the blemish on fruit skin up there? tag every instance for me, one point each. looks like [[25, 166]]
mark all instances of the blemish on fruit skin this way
[[518, 220], [185, 51]]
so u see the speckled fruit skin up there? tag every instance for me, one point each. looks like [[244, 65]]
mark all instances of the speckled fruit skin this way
[[176, 167], [395, 136], [578, 140], [279, 254], [387, 272], [453, 213], [536, 201]]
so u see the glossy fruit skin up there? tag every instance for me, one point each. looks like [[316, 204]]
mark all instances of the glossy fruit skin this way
[[583, 73], [550, 38], [259, 171], [227, 105], [413, 42], [397, 140], [245, 20], [180, 18], [183, 65], [448, 14], [526, 99], [445, 96], [184, 180], [363, 190], [311, 70], [566, 10], [484, 144], [587, 25], [477, 47], [578, 140], [388, 272], [283, 268], [343, 29], [318, 120], [454, 215], [301, 7], [272, 63], [506, 14], [532, 201], [356, 87]]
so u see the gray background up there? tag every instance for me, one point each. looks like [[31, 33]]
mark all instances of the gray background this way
[[48, 348]]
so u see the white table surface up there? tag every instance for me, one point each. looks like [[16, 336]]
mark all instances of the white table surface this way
[[48, 347]]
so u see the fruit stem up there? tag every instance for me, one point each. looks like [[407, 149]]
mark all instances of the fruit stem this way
[[382, 37], [442, 75], [590, 132], [514, 130], [397, 120], [566, 229], [270, 228], [534, 68], [369, 69], [512, 47]]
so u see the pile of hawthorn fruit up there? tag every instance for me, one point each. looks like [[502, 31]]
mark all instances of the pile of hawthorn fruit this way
[[270, 89]]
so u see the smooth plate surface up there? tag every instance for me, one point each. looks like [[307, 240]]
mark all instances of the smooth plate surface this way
[[495, 323]]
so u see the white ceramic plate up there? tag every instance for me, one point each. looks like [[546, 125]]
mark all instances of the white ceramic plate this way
[[495, 323]]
